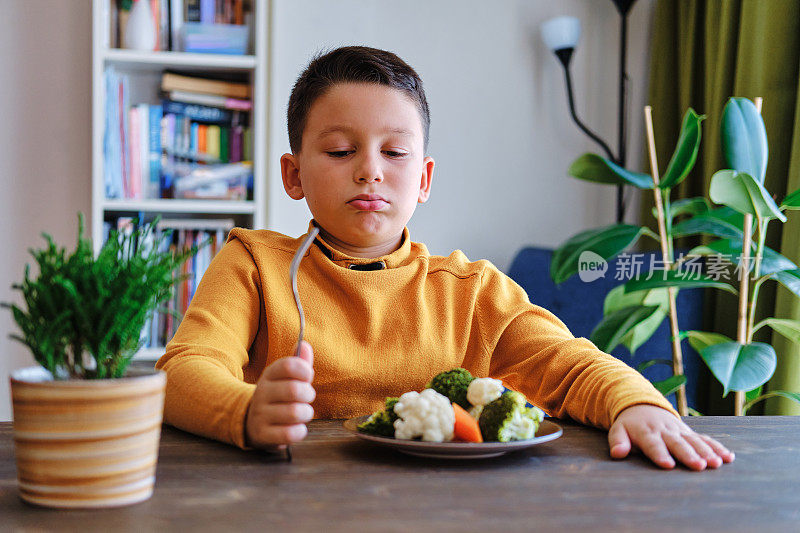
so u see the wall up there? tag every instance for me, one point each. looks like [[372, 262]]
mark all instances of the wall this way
[[45, 158], [501, 134], [500, 128]]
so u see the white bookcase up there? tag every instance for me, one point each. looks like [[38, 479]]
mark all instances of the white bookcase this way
[[144, 71]]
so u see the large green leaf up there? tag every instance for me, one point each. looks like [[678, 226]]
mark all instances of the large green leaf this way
[[617, 299], [792, 201], [685, 154], [731, 251], [687, 206], [786, 327], [789, 279], [740, 367], [744, 138], [605, 242], [592, 167], [794, 396], [641, 367], [670, 385], [721, 222], [615, 326], [743, 193], [680, 280], [700, 340]]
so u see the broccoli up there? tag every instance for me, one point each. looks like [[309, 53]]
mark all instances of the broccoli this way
[[507, 418], [381, 422], [453, 384]]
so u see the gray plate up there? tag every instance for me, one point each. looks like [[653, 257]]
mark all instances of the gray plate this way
[[456, 450]]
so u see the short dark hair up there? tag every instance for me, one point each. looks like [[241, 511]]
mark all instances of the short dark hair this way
[[352, 64]]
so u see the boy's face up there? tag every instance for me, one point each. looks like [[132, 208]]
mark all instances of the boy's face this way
[[361, 167]]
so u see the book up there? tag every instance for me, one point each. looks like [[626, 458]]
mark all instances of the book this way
[[134, 153], [171, 81], [211, 100], [212, 141], [204, 113], [224, 147], [175, 24], [144, 151], [154, 190]]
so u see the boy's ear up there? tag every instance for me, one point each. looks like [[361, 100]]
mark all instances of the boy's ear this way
[[290, 173], [425, 180]]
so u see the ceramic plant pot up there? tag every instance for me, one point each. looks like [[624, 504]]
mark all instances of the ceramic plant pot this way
[[86, 443]]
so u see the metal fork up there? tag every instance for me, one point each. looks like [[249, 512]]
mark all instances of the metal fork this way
[[298, 256]]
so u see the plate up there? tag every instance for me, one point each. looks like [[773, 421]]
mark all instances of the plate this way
[[456, 450]]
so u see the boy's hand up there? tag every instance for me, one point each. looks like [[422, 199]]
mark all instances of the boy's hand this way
[[660, 435], [281, 406]]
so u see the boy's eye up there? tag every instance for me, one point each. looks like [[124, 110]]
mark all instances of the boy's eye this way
[[393, 153], [339, 153]]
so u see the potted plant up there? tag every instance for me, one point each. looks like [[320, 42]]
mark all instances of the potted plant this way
[[86, 428], [634, 310]]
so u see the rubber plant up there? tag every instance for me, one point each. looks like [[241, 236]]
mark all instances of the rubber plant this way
[[633, 311]]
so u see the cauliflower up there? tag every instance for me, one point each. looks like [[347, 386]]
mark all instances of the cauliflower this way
[[484, 390], [427, 414]]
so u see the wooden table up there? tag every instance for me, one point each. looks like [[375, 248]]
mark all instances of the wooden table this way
[[340, 483]]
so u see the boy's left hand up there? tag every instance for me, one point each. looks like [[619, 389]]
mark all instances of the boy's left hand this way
[[660, 435]]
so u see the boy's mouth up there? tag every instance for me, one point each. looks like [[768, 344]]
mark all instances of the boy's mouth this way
[[368, 202]]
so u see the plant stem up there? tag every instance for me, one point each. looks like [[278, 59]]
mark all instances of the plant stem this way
[[666, 252], [744, 278]]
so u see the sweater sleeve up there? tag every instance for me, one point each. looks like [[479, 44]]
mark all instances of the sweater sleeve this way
[[206, 393], [533, 352]]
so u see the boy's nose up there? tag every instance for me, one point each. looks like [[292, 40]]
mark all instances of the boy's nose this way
[[368, 171]]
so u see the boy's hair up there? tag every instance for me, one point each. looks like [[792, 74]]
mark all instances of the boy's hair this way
[[352, 64]]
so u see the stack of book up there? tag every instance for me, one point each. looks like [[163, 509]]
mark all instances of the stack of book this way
[[199, 133], [211, 234]]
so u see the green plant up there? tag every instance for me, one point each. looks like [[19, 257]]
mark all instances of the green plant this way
[[633, 311], [83, 316]]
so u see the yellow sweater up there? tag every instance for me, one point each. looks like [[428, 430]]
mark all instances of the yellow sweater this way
[[376, 334]]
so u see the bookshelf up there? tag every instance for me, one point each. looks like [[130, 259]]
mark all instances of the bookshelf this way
[[143, 71]]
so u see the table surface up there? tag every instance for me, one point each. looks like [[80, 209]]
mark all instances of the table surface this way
[[338, 482]]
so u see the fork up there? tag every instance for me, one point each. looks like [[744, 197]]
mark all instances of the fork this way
[[298, 256]]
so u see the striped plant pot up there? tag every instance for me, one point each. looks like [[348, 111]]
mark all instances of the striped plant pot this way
[[86, 443]]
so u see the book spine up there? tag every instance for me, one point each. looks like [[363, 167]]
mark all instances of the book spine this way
[[212, 141], [236, 144], [212, 100], [207, 11], [192, 13], [144, 150], [155, 151], [202, 139], [224, 146], [122, 107], [133, 155], [193, 145], [247, 149], [198, 113], [175, 24]]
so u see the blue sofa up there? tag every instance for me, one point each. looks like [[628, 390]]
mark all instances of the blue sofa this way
[[580, 306]]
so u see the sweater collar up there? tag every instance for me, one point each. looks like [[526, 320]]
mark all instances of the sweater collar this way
[[391, 260]]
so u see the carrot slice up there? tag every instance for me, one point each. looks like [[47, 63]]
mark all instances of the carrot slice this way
[[466, 428]]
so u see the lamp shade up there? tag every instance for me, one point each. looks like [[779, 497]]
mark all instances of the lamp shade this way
[[561, 32]]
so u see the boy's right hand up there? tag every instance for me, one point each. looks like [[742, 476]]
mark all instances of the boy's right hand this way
[[281, 406]]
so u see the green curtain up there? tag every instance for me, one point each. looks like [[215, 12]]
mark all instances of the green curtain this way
[[703, 52]]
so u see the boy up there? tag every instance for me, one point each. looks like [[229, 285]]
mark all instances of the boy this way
[[382, 314]]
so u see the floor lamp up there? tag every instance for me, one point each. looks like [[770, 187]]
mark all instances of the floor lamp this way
[[561, 35]]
